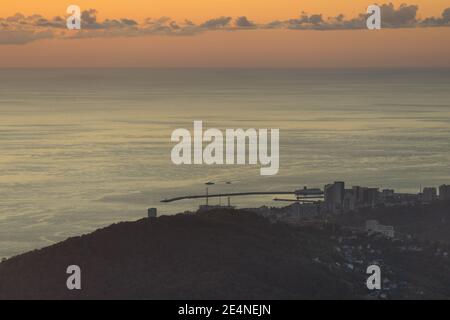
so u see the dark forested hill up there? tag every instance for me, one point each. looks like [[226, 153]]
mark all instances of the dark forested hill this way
[[222, 255]]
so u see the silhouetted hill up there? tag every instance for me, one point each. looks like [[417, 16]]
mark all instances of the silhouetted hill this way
[[220, 255], [216, 255]]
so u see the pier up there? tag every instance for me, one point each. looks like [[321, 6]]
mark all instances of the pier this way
[[303, 193]]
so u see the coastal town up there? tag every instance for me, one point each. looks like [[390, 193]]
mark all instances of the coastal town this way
[[338, 201], [348, 217], [333, 201]]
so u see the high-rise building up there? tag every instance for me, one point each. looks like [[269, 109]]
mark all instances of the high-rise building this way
[[429, 194], [341, 200], [349, 203], [444, 192], [365, 197], [339, 192], [334, 197]]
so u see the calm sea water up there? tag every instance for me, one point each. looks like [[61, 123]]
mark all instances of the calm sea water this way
[[81, 149]]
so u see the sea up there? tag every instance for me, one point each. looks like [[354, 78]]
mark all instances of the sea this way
[[81, 149]]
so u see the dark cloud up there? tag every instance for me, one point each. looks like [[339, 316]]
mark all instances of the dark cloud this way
[[273, 25], [442, 21], [89, 19], [217, 23], [446, 16], [306, 21], [404, 16], [56, 22], [167, 26], [243, 22], [129, 22], [21, 29]]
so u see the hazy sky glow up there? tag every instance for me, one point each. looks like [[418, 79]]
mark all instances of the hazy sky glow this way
[[230, 33]]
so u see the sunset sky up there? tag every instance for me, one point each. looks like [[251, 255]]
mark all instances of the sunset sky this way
[[201, 43], [205, 9]]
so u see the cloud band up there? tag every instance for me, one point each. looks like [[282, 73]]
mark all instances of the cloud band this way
[[21, 29]]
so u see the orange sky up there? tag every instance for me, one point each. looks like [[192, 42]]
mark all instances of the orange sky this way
[[254, 48], [204, 9]]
